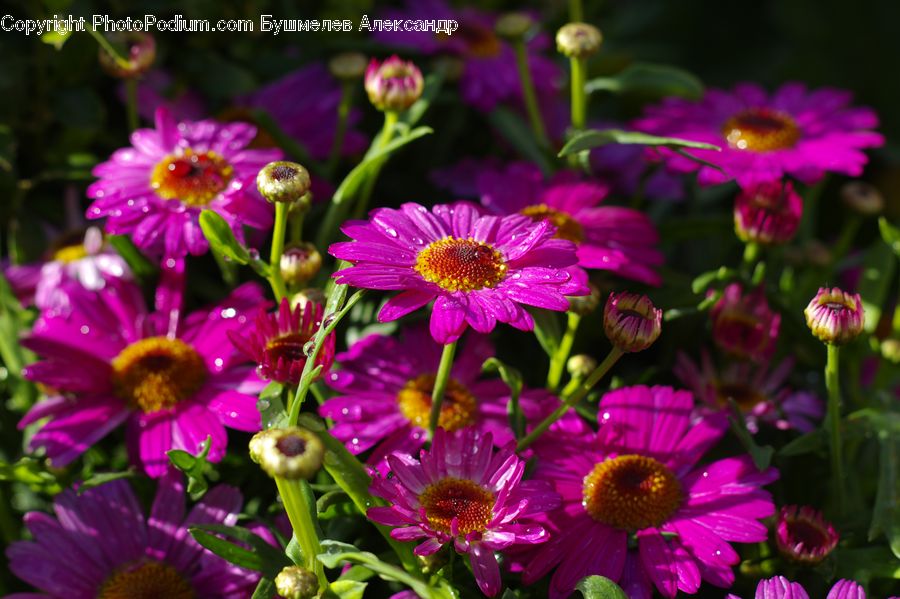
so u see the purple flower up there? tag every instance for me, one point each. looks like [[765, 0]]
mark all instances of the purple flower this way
[[393, 85], [100, 544], [478, 269], [803, 535], [765, 137], [743, 325], [155, 190], [107, 361], [835, 316], [768, 213], [464, 493], [780, 587], [637, 480]]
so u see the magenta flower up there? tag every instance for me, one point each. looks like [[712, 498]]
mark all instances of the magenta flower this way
[[107, 361], [155, 190], [744, 325], [803, 535], [758, 391], [611, 238], [478, 269], [780, 587], [835, 316], [385, 387], [793, 132], [393, 85], [768, 213], [461, 491], [637, 481]]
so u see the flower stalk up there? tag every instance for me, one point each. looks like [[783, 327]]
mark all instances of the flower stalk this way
[[387, 133], [558, 360], [440, 385], [340, 132], [275, 279], [299, 512], [833, 424], [528, 93]]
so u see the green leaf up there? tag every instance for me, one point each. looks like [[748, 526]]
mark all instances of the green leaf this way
[[221, 238], [513, 380], [259, 555], [651, 80], [599, 587], [271, 407], [595, 138], [137, 262], [865, 563], [195, 467], [103, 478], [879, 264], [886, 514], [546, 329], [812, 442], [890, 234], [705, 280], [32, 472], [519, 134], [265, 589], [348, 589]]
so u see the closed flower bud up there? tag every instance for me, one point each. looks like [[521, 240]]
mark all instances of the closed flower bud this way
[[835, 316], [768, 213], [514, 25], [585, 304], [347, 66], [578, 40], [300, 262], [290, 453], [308, 296], [803, 535], [744, 325], [863, 198], [283, 181], [393, 85], [631, 321], [580, 366], [294, 582], [137, 48]]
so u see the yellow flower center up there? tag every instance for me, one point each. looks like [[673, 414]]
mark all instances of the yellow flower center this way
[[745, 396], [461, 264], [157, 373], [452, 498], [761, 130], [566, 226], [193, 178], [458, 410], [631, 492], [150, 580], [70, 253]]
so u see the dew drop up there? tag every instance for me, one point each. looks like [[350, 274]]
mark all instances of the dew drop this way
[[392, 232], [308, 347]]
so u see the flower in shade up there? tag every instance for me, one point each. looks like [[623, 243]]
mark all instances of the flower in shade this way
[[758, 391], [109, 362], [743, 325], [631, 322], [835, 316], [578, 40], [780, 587], [100, 544], [768, 213], [155, 190], [385, 387], [620, 240], [765, 137], [478, 269], [463, 492], [158, 89], [394, 84], [803, 535], [636, 483]]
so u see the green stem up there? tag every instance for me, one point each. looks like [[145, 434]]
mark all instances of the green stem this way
[[343, 116], [833, 423], [576, 14], [296, 219], [751, 255], [300, 514], [558, 360], [569, 402], [281, 210], [579, 96], [528, 93], [109, 49], [131, 103], [440, 385], [387, 132]]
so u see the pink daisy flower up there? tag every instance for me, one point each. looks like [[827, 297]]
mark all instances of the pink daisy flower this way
[[780, 587], [477, 269], [764, 137], [637, 481], [743, 324], [155, 190], [464, 493], [100, 544], [757, 390], [108, 361]]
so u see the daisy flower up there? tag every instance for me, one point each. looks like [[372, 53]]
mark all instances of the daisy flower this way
[[462, 492], [765, 137], [101, 545], [155, 190], [478, 269], [109, 362], [743, 324], [636, 483], [758, 391], [780, 587]]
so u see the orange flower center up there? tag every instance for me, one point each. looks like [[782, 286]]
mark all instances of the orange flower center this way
[[761, 130], [70, 253], [745, 396], [150, 580], [631, 492], [452, 499], [288, 347], [193, 178], [461, 264], [458, 409], [566, 226], [157, 373]]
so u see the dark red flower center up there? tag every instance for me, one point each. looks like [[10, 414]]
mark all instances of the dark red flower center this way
[[761, 130], [157, 373], [193, 178], [457, 499], [461, 264], [287, 347], [458, 409], [150, 580], [566, 226]]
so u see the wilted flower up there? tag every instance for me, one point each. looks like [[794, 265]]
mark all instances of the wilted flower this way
[[631, 322], [768, 213], [835, 316], [393, 85], [803, 535]]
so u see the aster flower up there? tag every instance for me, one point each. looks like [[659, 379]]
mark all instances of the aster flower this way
[[478, 269], [768, 213], [835, 316], [110, 362], [155, 190], [385, 387], [100, 544], [803, 535], [780, 587], [464, 493], [637, 481], [758, 391], [764, 137], [743, 325]]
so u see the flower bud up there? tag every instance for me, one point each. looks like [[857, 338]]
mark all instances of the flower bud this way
[[835, 316], [803, 535], [863, 198], [768, 213], [294, 582], [347, 66], [631, 321], [580, 366], [513, 25], [290, 453], [393, 85], [890, 350], [137, 48], [743, 325], [578, 40], [300, 262], [304, 298], [585, 304], [283, 181]]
